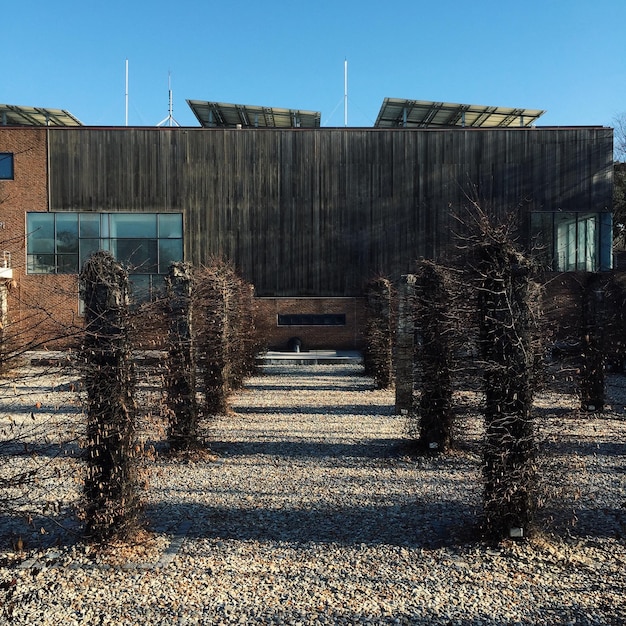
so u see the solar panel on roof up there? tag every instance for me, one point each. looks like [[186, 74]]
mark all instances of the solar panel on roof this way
[[219, 114], [12, 115], [398, 113]]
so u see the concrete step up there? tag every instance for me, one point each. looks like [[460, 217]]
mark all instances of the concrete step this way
[[310, 357]]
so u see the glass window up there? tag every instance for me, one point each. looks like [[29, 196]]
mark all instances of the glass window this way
[[140, 286], [60, 243], [40, 264], [568, 242], [170, 250], [66, 233], [67, 264], [133, 225], [89, 225], [170, 226], [88, 247], [139, 254], [6, 166], [40, 233]]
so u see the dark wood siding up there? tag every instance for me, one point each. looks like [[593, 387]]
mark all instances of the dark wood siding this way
[[318, 212]]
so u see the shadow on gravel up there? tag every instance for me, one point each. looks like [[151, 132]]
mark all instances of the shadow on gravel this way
[[584, 448], [38, 532], [19, 449], [41, 411], [365, 385], [430, 525], [374, 448], [330, 409]]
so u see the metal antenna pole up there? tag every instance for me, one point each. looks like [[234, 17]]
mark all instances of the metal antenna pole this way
[[345, 92], [126, 93], [169, 120]]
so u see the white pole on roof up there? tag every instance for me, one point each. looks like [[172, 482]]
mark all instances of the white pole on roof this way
[[345, 92], [169, 120], [126, 94]]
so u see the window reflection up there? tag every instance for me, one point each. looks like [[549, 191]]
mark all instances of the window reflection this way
[[567, 242], [146, 243]]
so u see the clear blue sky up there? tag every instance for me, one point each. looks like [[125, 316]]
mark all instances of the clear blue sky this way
[[565, 56]]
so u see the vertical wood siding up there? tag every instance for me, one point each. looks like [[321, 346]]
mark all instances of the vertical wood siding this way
[[319, 212]]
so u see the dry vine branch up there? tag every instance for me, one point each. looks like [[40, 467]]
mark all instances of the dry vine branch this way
[[226, 345], [378, 354], [180, 382], [506, 298], [111, 487], [434, 319]]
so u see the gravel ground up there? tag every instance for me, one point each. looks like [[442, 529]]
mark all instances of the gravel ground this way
[[312, 512]]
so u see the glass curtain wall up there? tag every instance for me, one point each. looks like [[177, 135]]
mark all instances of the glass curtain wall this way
[[146, 243]]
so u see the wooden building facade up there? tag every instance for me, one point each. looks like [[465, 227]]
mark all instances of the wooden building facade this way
[[308, 216], [319, 212]]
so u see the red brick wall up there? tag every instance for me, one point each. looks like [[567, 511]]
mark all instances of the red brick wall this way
[[348, 337], [40, 307]]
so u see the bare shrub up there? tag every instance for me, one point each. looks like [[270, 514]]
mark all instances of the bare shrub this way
[[593, 352], [378, 356], [180, 381], [507, 299], [435, 320], [111, 486], [226, 345]]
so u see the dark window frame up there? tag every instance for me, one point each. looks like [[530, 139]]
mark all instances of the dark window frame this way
[[568, 241], [98, 236], [311, 319], [7, 172]]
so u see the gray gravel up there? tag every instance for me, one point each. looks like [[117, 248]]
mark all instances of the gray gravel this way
[[312, 512]]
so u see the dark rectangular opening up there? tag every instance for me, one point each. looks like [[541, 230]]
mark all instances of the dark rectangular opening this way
[[312, 319], [6, 166]]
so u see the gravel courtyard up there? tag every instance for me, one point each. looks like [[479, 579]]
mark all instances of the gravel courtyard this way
[[310, 510]]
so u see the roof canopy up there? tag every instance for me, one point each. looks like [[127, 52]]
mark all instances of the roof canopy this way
[[398, 113], [219, 114], [11, 115]]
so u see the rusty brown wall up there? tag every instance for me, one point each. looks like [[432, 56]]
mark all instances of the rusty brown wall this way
[[348, 337], [41, 308]]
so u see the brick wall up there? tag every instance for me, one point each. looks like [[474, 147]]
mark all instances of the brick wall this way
[[348, 337], [41, 308]]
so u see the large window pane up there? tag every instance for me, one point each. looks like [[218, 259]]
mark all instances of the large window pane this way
[[87, 248], [140, 287], [170, 250], [62, 242], [170, 225], [89, 225], [567, 241], [40, 229], [67, 263], [66, 233], [139, 254], [40, 264], [133, 225]]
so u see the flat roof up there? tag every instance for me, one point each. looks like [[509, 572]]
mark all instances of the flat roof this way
[[13, 115], [220, 114], [399, 113]]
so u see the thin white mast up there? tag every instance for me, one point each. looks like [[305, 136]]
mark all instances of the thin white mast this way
[[345, 92], [126, 93]]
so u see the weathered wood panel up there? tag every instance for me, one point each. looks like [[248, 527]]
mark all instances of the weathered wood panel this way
[[318, 212]]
